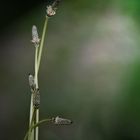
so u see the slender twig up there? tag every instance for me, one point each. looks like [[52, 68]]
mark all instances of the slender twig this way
[[37, 128], [38, 55], [56, 121], [32, 124], [36, 125], [37, 65], [35, 96], [36, 83], [42, 41], [35, 40], [31, 116]]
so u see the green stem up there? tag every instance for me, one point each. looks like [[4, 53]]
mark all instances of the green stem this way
[[37, 128], [31, 109], [40, 122], [36, 82], [31, 124], [38, 54], [36, 125], [36, 67], [37, 63], [42, 41], [31, 116]]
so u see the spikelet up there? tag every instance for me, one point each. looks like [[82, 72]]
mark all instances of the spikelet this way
[[36, 98], [51, 9], [35, 37], [61, 121], [31, 82]]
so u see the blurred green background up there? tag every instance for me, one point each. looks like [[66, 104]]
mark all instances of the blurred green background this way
[[90, 71]]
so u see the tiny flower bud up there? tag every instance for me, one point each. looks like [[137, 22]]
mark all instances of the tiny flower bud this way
[[61, 121], [31, 82], [50, 11], [35, 38], [36, 98]]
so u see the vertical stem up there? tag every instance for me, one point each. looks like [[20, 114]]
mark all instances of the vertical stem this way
[[38, 59], [36, 67], [38, 54], [37, 128], [36, 82], [31, 109], [30, 134], [31, 115], [42, 41]]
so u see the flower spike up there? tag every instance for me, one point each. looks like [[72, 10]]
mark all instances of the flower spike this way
[[61, 121], [51, 9], [35, 38]]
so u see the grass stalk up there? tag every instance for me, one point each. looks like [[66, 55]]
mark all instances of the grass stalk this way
[[31, 116], [36, 125], [42, 41], [38, 54], [36, 83], [34, 110]]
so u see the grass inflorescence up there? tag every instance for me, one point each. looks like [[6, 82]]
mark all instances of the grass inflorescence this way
[[34, 121]]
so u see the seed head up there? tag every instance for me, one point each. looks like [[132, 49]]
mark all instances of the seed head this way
[[35, 38], [31, 82], [51, 9], [61, 121], [36, 98]]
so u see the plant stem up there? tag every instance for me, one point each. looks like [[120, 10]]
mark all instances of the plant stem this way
[[31, 116], [31, 109], [37, 128], [40, 122], [38, 54], [42, 41], [37, 65], [36, 125], [30, 134], [36, 83]]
